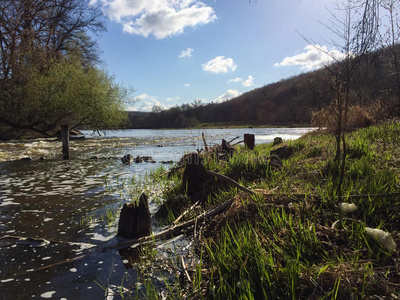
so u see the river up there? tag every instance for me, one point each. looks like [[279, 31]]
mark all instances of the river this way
[[75, 201]]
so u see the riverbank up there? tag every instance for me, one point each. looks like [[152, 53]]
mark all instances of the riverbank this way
[[292, 236]]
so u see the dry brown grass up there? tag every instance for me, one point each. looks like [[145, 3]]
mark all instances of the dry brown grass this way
[[357, 117]]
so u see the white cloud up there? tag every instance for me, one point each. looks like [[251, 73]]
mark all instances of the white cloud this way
[[315, 57], [187, 85], [146, 103], [140, 97], [170, 99], [249, 81], [237, 79], [220, 64], [186, 53], [229, 94], [161, 18]]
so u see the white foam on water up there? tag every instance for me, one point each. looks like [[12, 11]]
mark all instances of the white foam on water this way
[[48, 295], [5, 203], [98, 237]]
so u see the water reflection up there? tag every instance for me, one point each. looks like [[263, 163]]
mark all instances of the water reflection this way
[[67, 201]]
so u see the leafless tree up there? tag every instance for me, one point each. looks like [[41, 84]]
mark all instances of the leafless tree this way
[[355, 26], [391, 38]]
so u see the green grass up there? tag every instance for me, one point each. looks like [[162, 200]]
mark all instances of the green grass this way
[[281, 243]]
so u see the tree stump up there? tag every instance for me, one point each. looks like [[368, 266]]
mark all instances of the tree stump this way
[[194, 176], [134, 221], [249, 140], [278, 140], [227, 148]]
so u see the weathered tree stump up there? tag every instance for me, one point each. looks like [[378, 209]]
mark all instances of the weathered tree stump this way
[[195, 175], [229, 150], [134, 221], [278, 140], [249, 140]]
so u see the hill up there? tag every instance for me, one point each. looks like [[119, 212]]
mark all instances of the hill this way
[[287, 102]]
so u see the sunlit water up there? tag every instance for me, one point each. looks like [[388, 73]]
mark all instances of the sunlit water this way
[[66, 201]]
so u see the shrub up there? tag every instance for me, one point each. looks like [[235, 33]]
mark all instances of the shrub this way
[[357, 117]]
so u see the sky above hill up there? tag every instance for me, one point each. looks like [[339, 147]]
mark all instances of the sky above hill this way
[[175, 51]]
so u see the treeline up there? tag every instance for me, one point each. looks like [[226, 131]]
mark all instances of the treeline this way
[[287, 102]]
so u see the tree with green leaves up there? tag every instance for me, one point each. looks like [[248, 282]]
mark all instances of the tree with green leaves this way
[[48, 72]]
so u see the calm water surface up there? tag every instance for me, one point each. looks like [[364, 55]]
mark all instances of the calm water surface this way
[[67, 201]]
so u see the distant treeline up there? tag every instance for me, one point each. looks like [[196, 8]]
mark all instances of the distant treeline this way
[[287, 102]]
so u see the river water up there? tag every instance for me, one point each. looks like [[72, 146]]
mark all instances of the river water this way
[[73, 205]]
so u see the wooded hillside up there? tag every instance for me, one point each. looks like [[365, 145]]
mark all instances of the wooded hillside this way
[[287, 102]]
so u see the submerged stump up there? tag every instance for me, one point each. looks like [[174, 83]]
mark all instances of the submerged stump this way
[[134, 221]]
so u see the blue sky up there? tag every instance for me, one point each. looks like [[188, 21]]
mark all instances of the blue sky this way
[[174, 51]]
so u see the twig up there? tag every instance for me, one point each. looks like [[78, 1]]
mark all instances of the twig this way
[[238, 143], [233, 139], [231, 181], [34, 239], [186, 212], [204, 141], [185, 269], [194, 231]]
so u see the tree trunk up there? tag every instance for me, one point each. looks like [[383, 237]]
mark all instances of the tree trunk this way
[[65, 141]]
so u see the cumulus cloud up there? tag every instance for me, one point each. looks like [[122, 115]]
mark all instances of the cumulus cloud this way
[[161, 18], [314, 57], [187, 85], [229, 94], [237, 79], [249, 81], [146, 103], [186, 53], [220, 64]]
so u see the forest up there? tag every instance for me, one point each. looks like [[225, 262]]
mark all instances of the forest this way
[[291, 101]]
